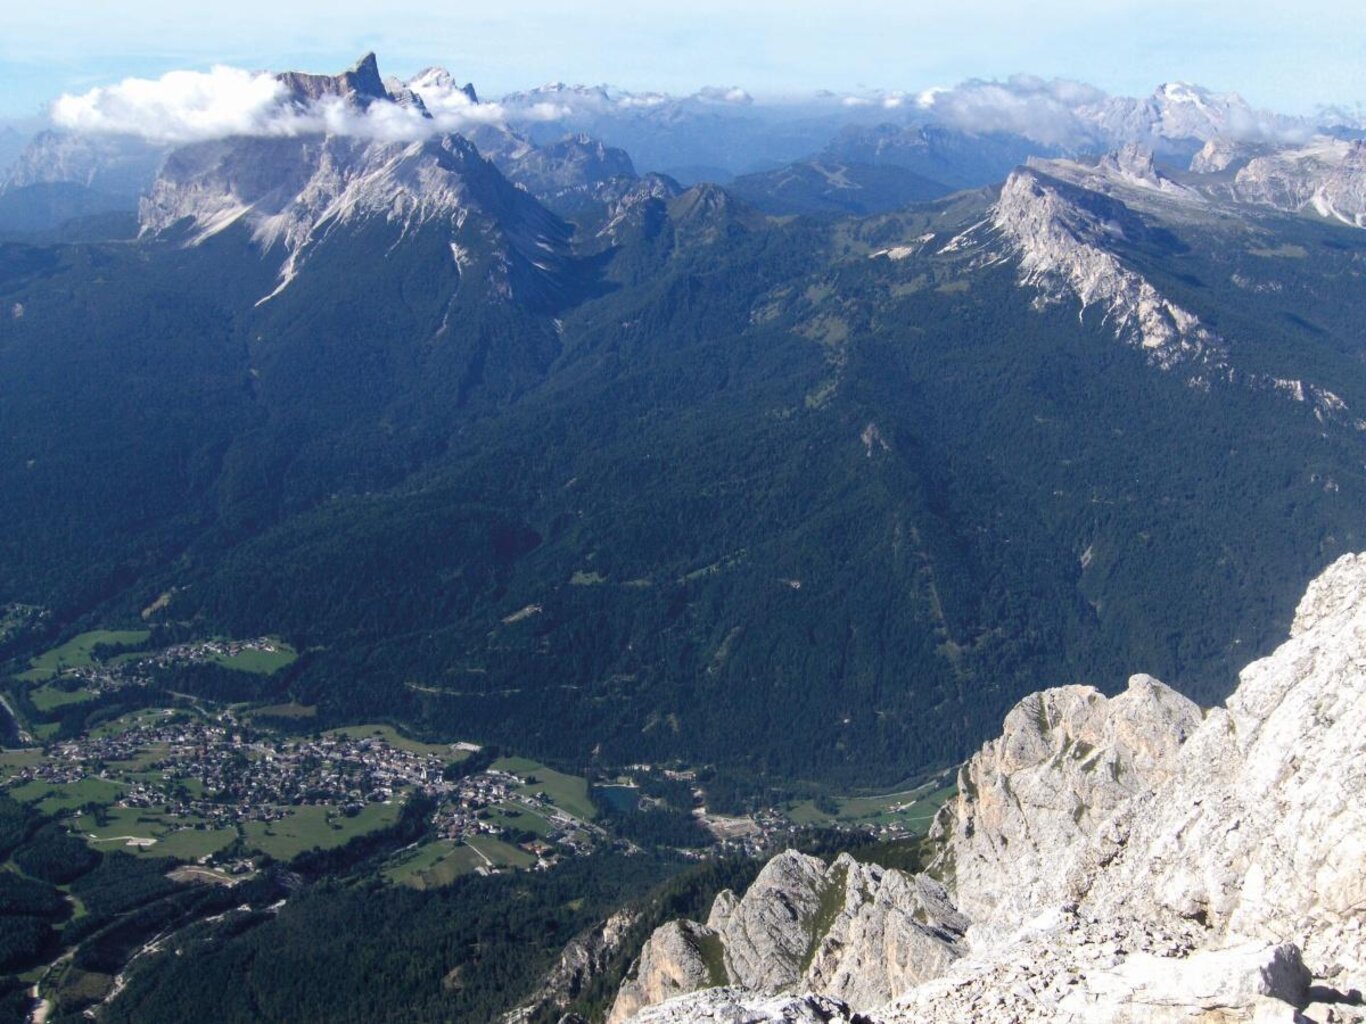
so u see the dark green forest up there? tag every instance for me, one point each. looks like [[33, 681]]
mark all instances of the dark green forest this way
[[732, 493]]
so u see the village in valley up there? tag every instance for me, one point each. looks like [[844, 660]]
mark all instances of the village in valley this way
[[172, 781], [230, 787]]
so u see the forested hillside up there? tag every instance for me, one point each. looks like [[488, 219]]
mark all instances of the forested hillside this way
[[729, 490]]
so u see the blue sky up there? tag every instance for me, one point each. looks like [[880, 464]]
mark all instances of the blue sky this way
[[1289, 57]]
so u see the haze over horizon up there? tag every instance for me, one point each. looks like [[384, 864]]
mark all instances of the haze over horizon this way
[[1304, 58]]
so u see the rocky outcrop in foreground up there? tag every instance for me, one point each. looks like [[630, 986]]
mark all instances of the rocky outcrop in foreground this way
[[1106, 860], [585, 958], [856, 932]]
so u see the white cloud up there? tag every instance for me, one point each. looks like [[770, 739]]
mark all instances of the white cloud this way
[[643, 101], [180, 106], [720, 94], [925, 99], [193, 106], [1039, 109]]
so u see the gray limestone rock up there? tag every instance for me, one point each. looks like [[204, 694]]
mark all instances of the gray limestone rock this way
[[680, 957], [1122, 860]]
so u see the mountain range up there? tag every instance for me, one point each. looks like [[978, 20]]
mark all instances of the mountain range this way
[[810, 477], [963, 137]]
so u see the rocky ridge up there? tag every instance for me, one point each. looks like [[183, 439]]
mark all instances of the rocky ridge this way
[[292, 193], [581, 961], [1061, 235], [1326, 177], [1131, 859], [1067, 223], [484, 185], [854, 932]]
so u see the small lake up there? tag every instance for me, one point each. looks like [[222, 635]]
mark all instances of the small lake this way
[[618, 799]]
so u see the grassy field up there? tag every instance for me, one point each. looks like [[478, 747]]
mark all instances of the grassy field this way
[[11, 761], [76, 652], [912, 809], [395, 738], [323, 827], [142, 759], [290, 710], [499, 853], [173, 837], [516, 816], [432, 865], [48, 698], [51, 797], [567, 792], [262, 663], [132, 720]]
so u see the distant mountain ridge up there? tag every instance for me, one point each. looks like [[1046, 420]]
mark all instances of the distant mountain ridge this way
[[560, 141]]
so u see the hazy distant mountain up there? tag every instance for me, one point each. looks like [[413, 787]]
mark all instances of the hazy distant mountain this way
[[728, 132], [61, 176], [951, 157], [714, 133], [13, 139], [827, 187]]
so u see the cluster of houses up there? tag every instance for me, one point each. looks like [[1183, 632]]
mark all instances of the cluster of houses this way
[[133, 669], [200, 651], [218, 773]]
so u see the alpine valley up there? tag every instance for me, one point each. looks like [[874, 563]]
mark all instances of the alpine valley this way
[[509, 522]]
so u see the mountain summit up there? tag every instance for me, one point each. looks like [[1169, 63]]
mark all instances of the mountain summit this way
[[359, 84]]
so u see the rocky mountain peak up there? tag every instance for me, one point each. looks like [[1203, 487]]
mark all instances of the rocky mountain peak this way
[[360, 84], [292, 194], [1067, 758], [854, 932], [440, 80], [1325, 176], [1194, 95], [1217, 155], [1135, 164]]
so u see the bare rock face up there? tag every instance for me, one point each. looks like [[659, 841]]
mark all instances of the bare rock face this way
[[680, 957], [1124, 860], [1327, 176], [891, 931], [768, 934], [1068, 758], [736, 1006], [585, 958], [291, 194], [1061, 235], [360, 84], [855, 932], [1261, 830], [119, 166], [1221, 154], [1072, 972], [760, 941]]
